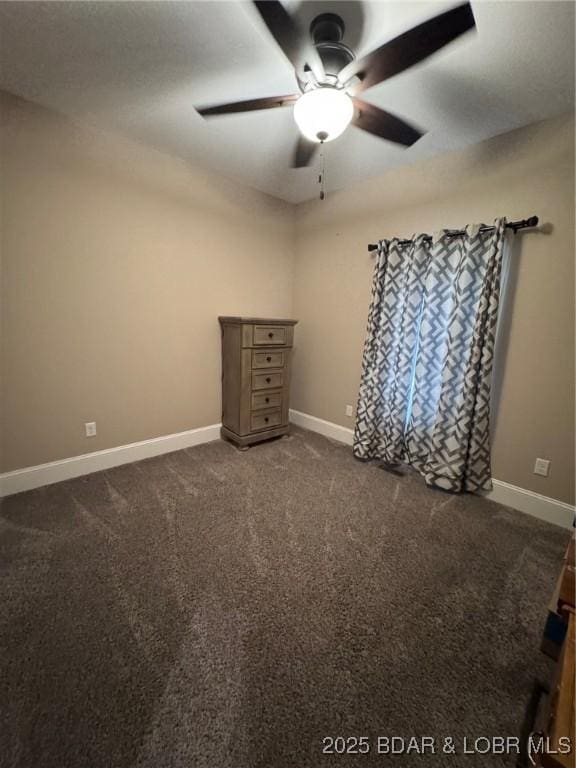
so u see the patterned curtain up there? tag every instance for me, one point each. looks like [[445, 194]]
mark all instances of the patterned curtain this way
[[425, 391]]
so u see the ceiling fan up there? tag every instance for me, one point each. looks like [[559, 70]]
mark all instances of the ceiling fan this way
[[330, 77]]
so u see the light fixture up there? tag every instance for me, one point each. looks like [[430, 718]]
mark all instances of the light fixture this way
[[323, 113]]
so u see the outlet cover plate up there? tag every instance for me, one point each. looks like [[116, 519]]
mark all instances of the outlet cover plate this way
[[542, 467]]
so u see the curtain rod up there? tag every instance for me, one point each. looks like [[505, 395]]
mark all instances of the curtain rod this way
[[514, 225]]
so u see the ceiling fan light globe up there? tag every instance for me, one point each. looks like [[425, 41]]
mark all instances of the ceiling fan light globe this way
[[323, 112]]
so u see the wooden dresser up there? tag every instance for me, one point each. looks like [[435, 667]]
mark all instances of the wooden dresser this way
[[256, 357], [559, 709]]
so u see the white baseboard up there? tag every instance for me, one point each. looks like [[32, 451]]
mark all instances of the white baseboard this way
[[551, 510], [65, 469], [326, 428], [543, 507]]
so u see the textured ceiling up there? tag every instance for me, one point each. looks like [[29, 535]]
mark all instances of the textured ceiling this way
[[140, 67]]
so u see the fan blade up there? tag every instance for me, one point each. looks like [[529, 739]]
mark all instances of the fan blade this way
[[295, 44], [303, 152], [249, 106], [408, 49], [380, 123]]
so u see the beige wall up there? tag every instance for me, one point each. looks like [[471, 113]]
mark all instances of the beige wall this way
[[529, 171], [117, 261]]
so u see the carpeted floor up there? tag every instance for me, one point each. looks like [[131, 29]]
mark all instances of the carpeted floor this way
[[218, 609]]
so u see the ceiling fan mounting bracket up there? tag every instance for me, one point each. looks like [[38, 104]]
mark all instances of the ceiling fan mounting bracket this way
[[327, 31], [327, 28]]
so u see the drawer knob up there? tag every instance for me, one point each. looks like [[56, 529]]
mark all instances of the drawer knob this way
[[267, 399], [270, 335], [268, 359], [266, 419], [268, 379]]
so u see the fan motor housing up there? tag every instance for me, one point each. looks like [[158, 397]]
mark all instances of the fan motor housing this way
[[334, 56]]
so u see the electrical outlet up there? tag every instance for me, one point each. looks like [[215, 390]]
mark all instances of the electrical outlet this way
[[90, 428], [542, 467], [349, 410]]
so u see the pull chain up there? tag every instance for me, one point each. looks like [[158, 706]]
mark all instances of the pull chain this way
[[322, 176]]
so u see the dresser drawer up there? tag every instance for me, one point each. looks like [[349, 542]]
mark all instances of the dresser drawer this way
[[266, 419], [268, 359], [267, 380], [270, 335], [266, 400]]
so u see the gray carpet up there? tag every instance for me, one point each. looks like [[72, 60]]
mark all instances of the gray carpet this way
[[218, 609]]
